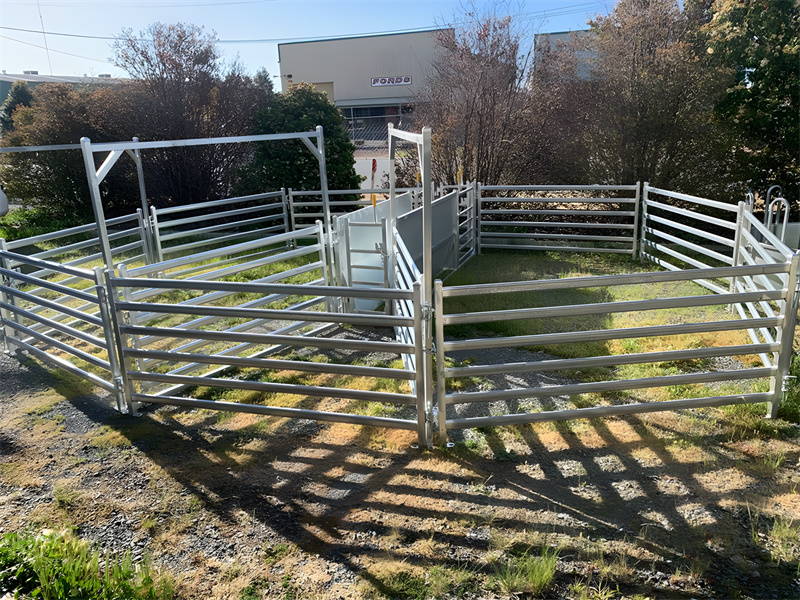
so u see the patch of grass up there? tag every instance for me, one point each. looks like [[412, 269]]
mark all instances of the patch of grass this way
[[587, 590], [406, 585], [64, 494], [273, 554], [785, 538], [746, 421], [254, 590], [527, 574], [59, 566]]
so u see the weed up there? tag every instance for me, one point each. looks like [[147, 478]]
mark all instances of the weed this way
[[585, 590], [785, 537], [60, 565], [275, 553], [529, 574], [402, 584], [64, 495], [254, 590], [290, 592]]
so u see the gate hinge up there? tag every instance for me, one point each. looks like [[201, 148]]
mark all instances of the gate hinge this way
[[786, 382]]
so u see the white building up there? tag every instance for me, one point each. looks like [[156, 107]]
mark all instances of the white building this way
[[371, 78]]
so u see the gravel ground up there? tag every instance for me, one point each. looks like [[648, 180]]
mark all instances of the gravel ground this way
[[223, 506]]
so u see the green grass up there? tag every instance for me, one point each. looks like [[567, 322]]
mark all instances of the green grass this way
[[56, 566], [508, 266], [527, 574]]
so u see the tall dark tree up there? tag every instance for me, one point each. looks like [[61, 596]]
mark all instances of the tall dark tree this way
[[182, 89], [289, 163], [20, 95], [55, 180], [760, 40]]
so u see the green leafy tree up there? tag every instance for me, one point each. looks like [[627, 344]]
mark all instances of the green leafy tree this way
[[760, 40], [289, 163], [20, 95], [182, 89], [55, 181], [641, 92]]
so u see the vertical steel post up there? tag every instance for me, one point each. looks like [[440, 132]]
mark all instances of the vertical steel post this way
[[5, 314], [287, 223], [137, 158], [292, 216], [643, 235], [388, 263], [737, 243], [144, 234], [156, 234], [323, 180], [323, 256], [420, 379], [478, 208], [636, 224], [427, 216], [392, 199], [120, 340], [440, 362], [97, 202], [110, 335], [785, 338]]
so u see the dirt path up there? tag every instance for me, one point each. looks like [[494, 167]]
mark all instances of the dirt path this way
[[663, 506]]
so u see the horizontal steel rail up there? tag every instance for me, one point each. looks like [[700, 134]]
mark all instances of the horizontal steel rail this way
[[63, 364], [313, 391], [54, 306], [272, 364], [676, 269], [214, 203], [257, 288], [274, 411], [268, 338], [575, 213], [609, 307], [608, 386], [688, 213], [286, 315], [606, 411], [705, 235], [211, 254], [166, 237], [610, 280], [558, 188], [686, 244], [564, 364], [66, 348], [597, 335], [519, 199], [60, 327], [553, 224], [694, 199]]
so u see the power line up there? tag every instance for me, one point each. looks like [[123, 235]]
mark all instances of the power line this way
[[543, 14], [10, 39]]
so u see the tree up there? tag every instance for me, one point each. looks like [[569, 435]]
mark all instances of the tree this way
[[181, 90], [20, 95], [643, 97], [760, 40], [54, 180], [289, 163], [474, 95]]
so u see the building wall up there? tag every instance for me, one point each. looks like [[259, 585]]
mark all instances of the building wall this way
[[358, 70]]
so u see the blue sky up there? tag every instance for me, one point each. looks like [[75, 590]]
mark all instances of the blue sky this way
[[263, 23]]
